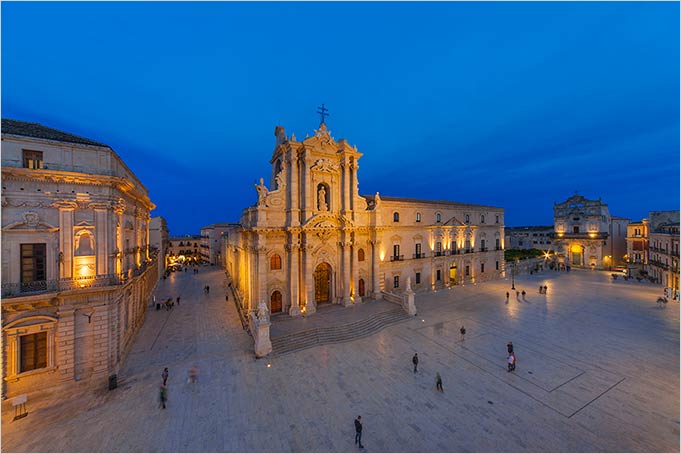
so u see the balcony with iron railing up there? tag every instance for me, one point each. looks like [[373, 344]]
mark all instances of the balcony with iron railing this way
[[397, 258], [17, 289], [420, 255], [658, 264]]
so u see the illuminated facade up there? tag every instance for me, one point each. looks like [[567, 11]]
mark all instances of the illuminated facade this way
[[663, 263], [313, 240], [211, 242], [76, 274], [587, 236], [183, 249], [533, 237]]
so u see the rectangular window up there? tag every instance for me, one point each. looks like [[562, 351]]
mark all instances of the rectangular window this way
[[482, 267], [418, 250], [497, 219], [33, 262], [33, 351], [497, 244], [468, 270], [33, 159], [482, 245], [437, 275], [575, 229], [418, 278], [396, 282], [497, 266], [438, 246]]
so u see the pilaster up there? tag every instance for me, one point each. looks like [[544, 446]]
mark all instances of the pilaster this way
[[66, 240], [375, 270]]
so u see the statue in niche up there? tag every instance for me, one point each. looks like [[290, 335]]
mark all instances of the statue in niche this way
[[280, 180], [262, 312], [321, 195], [262, 192], [85, 246]]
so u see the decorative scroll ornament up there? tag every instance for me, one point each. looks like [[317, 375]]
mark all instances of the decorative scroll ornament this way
[[31, 219], [325, 165]]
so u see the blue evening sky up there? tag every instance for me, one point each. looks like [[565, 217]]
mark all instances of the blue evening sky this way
[[507, 104]]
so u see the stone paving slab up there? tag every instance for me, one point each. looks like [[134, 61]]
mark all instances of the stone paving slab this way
[[306, 401]]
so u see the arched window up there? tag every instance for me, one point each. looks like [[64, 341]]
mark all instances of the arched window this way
[[438, 217], [418, 217], [468, 219], [275, 262], [396, 217], [482, 219], [360, 255]]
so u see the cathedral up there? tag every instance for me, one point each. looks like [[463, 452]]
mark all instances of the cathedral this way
[[311, 239]]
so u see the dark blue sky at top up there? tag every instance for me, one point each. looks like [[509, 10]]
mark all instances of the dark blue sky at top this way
[[507, 104]]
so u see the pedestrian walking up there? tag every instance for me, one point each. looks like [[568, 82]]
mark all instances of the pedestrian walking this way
[[545, 289], [178, 300], [509, 347], [415, 360], [541, 289], [358, 432], [517, 294], [163, 396], [523, 293], [193, 374], [507, 296], [164, 375], [207, 289], [438, 382], [463, 333], [511, 362]]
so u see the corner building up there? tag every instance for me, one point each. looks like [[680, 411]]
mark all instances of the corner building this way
[[313, 240], [77, 270]]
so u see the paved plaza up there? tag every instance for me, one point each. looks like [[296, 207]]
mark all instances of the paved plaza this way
[[598, 370]]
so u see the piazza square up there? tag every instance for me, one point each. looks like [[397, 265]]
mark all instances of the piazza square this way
[[597, 371]]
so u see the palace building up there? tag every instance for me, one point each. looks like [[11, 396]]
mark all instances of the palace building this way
[[311, 239], [77, 269], [586, 234]]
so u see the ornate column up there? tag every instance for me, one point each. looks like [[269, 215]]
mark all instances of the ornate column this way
[[101, 238], [346, 184], [293, 188], [345, 246], [308, 279], [375, 270], [66, 212], [355, 274], [293, 249], [305, 203]]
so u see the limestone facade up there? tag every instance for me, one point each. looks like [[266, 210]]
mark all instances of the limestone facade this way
[[158, 239], [663, 263], [312, 239], [183, 248], [531, 237], [76, 278], [587, 235], [211, 242]]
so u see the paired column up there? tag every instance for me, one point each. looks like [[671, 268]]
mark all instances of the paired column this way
[[346, 248], [294, 189], [375, 273], [66, 240], [294, 278], [102, 240], [310, 303], [355, 275]]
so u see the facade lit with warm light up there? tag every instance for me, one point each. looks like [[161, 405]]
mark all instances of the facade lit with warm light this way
[[183, 250], [530, 237], [211, 242], [76, 266], [663, 263], [312, 239], [586, 234]]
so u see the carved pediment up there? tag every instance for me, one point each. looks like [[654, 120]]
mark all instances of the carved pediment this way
[[30, 221], [325, 165]]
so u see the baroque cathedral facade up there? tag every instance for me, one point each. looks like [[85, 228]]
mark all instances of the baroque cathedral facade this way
[[311, 239]]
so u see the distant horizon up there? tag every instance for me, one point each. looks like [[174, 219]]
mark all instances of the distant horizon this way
[[514, 105]]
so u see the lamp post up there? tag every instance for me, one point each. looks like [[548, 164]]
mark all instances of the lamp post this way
[[513, 270]]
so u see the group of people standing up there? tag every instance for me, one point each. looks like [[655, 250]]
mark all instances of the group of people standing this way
[[169, 303], [192, 377]]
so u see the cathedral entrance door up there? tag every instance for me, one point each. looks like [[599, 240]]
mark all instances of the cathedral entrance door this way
[[361, 287], [275, 302], [322, 283]]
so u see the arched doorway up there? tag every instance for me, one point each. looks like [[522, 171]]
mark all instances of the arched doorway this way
[[361, 287], [275, 302], [322, 283]]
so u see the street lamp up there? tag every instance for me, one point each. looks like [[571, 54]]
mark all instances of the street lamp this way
[[513, 271]]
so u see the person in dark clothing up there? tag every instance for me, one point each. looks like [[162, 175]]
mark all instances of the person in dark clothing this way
[[509, 347], [227, 297], [545, 289], [358, 432], [164, 375], [178, 300], [523, 293], [415, 360], [507, 295], [541, 289], [438, 382], [463, 333], [163, 396]]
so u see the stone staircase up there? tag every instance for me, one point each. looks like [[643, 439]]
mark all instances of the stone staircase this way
[[337, 334]]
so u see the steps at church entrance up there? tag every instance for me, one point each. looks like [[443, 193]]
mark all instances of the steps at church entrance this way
[[337, 334]]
